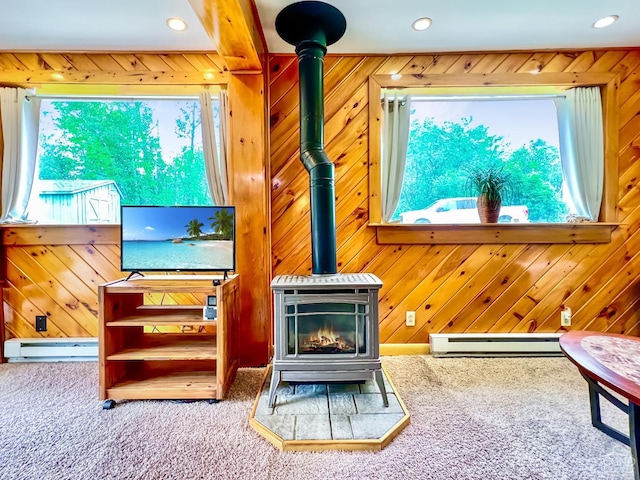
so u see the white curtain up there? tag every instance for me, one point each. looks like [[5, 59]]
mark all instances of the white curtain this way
[[216, 165], [395, 141], [20, 122], [223, 109], [582, 148]]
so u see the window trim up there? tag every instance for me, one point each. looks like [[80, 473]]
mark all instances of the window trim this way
[[598, 232]]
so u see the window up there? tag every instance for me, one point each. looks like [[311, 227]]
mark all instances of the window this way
[[450, 134], [95, 154], [385, 216]]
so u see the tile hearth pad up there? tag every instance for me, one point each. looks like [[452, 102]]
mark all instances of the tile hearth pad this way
[[331, 416]]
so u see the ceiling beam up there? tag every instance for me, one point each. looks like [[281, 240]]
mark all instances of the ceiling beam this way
[[235, 30], [42, 77]]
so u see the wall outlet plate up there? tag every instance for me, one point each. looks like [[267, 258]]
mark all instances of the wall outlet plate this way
[[410, 319], [41, 323], [565, 317]]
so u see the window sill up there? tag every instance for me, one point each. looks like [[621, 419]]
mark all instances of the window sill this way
[[55, 234], [499, 233]]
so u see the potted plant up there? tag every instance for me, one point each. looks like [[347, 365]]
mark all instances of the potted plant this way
[[490, 183]]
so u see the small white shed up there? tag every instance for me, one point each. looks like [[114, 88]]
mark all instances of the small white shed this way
[[78, 201]]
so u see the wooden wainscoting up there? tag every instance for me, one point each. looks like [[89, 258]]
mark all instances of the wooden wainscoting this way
[[55, 271], [456, 287]]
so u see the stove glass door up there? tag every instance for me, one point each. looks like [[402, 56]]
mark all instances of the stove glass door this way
[[327, 328]]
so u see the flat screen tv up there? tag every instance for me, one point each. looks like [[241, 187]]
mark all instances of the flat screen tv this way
[[178, 238]]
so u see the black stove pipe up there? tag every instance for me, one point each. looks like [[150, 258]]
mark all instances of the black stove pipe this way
[[311, 26]]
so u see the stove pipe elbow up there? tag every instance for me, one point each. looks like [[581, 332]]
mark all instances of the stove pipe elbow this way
[[323, 218]]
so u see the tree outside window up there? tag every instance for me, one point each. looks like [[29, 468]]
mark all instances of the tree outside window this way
[[150, 148]]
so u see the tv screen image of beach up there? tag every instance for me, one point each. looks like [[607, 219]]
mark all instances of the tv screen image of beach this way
[[177, 238]]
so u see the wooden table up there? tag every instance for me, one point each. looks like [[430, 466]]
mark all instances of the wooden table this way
[[613, 361]]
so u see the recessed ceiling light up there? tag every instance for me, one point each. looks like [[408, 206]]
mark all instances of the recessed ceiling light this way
[[57, 76], [421, 24], [605, 21], [208, 75], [396, 76], [177, 24]]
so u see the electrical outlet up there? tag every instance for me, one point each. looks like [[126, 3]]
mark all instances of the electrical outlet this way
[[41, 323], [410, 319], [565, 317]]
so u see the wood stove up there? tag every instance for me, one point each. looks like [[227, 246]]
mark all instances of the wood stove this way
[[326, 324], [326, 330]]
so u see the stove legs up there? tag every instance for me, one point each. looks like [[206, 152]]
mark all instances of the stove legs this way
[[276, 377], [383, 391]]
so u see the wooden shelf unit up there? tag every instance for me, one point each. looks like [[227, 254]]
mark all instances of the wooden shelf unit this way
[[197, 359]]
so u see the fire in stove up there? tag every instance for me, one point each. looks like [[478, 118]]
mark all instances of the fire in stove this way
[[325, 340]]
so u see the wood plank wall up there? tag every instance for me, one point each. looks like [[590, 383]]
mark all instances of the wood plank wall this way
[[453, 288], [456, 288], [55, 271], [122, 68]]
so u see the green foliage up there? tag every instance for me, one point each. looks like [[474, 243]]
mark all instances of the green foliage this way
[[537, 181], [439, 158], [119, 141], [189, 178], [194, 228], [222, 222], [189, 122]]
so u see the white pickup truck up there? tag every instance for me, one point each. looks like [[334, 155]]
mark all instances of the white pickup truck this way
[[462, 210]]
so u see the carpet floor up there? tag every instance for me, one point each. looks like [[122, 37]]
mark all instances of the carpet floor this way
[[471, 418]]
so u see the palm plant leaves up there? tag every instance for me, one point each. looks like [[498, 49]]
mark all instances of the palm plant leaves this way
[[491, 182], [222, 222], [194, 228]]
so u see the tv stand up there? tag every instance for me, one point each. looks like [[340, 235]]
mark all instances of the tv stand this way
[[168, 352]]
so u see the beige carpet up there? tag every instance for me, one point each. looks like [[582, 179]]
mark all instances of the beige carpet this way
[[512, 418]]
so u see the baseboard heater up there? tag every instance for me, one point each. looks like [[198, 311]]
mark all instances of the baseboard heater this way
[[494, 344], [51, 349]]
